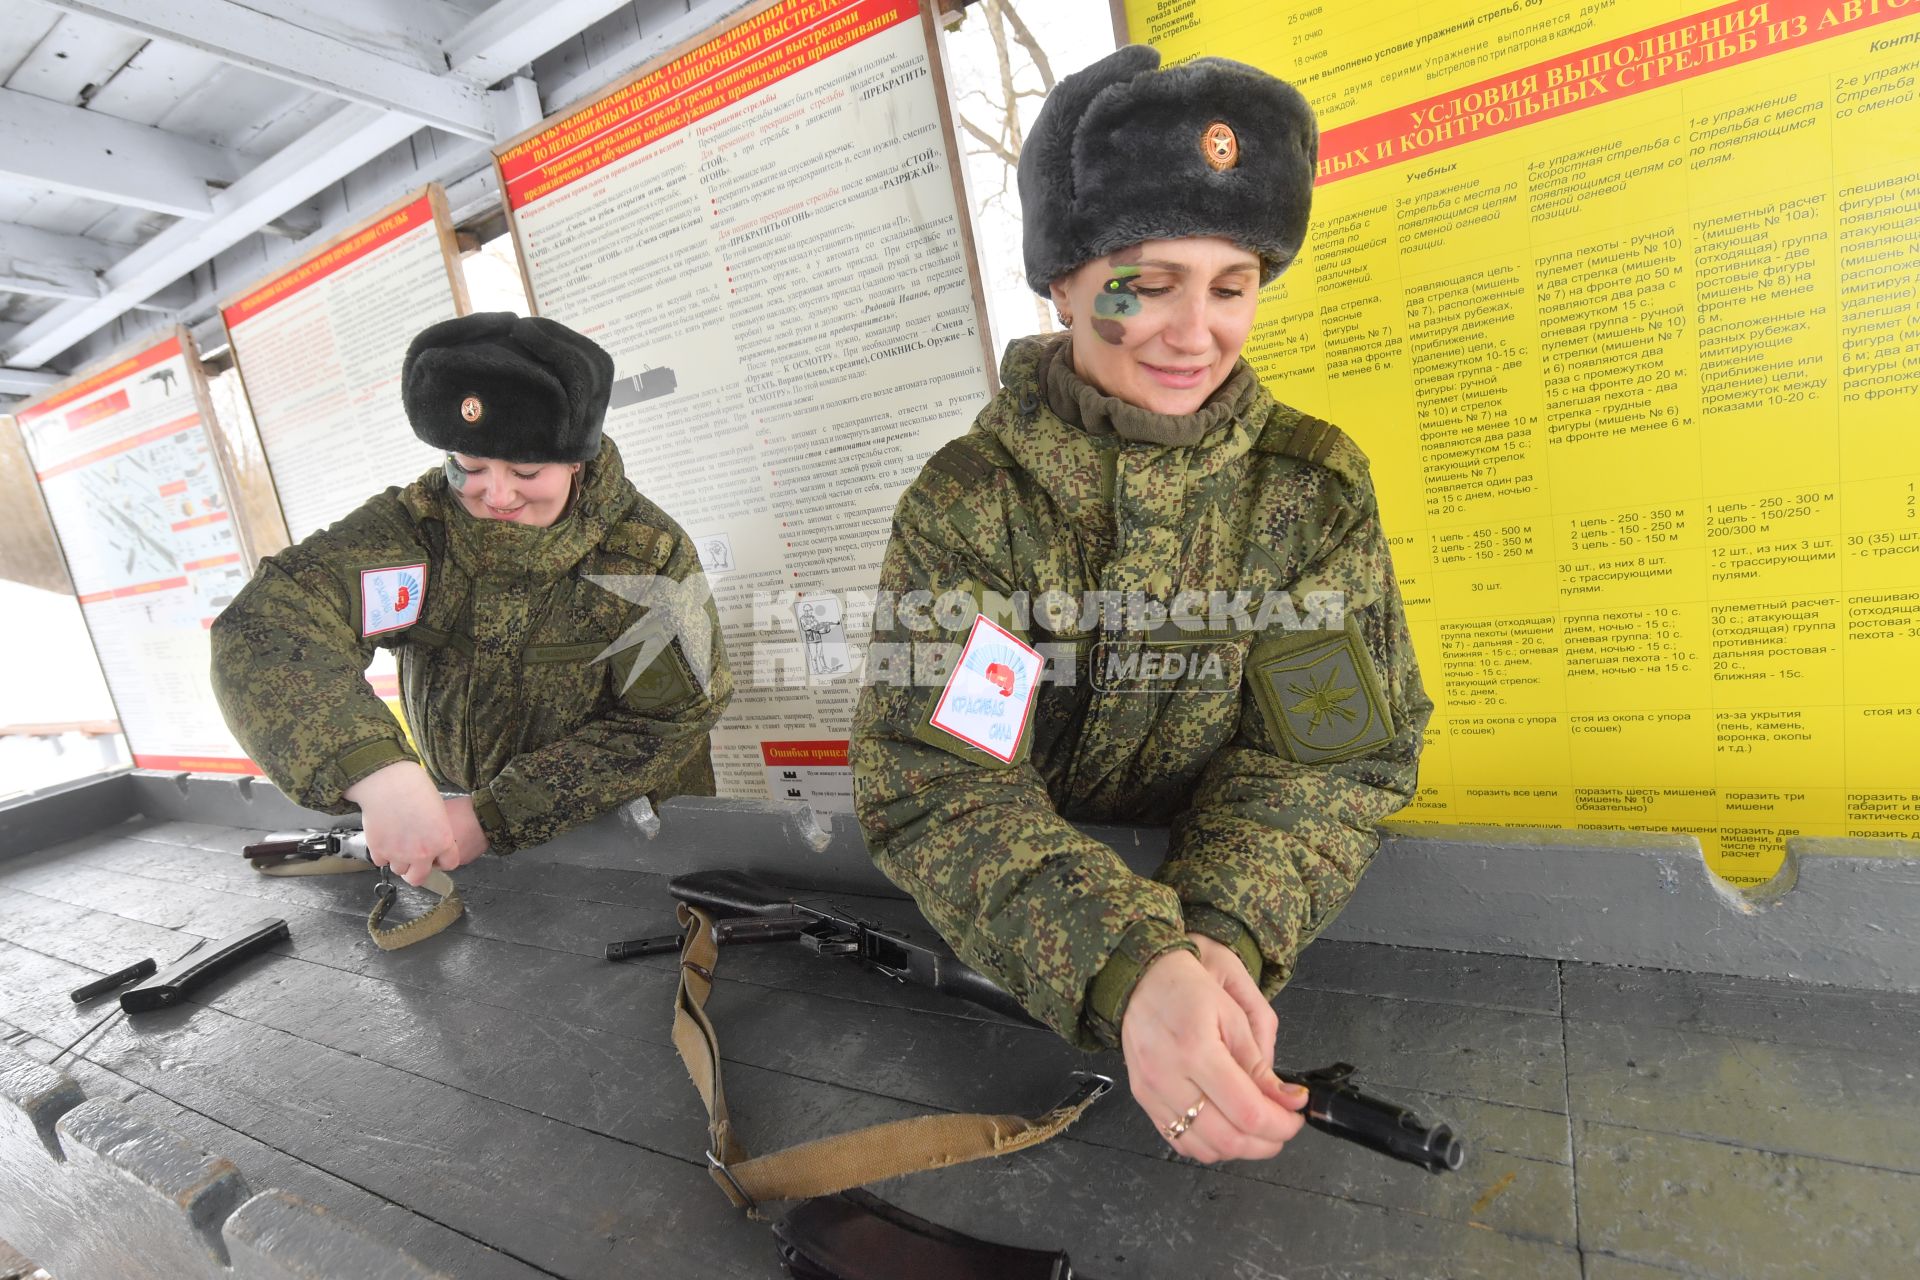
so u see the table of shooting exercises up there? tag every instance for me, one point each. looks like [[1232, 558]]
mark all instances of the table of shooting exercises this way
[[501, 1102]]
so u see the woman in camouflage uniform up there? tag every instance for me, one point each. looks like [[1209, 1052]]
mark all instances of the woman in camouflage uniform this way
[[1128, 488], [480, 574]]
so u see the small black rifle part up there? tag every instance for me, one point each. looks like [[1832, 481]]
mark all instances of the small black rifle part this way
[[100, 986]]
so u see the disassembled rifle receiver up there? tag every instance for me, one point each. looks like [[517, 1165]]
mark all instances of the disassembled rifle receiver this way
[[747, 910], [305, 846]]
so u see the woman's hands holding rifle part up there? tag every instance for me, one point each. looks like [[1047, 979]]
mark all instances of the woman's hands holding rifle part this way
[[1198, 1039], [410, 827]]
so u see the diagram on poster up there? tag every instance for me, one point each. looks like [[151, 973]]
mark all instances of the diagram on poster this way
[[138, 499]]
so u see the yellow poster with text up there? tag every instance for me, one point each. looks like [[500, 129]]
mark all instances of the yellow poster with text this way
[[1619, 297]]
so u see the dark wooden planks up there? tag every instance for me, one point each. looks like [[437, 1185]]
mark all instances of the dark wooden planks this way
[[543, 1192], [1742, 1128], [1716, 1210], [327, 918], [864, 1048], [1161, 1219], [1827, 1102], [421, 1154], [1521, 1179], [1518, 984], [1816, 1070], [265, 1167], [1605, 1266], [1749, 1008]]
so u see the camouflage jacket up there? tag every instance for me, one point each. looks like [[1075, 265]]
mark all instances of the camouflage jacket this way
[[1283, 733], [500, 676]]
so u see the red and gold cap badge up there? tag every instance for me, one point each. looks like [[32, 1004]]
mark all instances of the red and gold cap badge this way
[[1220, 147], [471, 408]]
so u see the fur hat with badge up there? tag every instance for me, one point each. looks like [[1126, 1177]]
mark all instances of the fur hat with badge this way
[[1124, 152], [516, 388]]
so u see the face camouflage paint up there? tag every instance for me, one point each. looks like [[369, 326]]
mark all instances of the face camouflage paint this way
[[456, 474], [1116, 302]]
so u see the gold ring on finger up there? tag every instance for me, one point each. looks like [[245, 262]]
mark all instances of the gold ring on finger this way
[[1185, 1122]]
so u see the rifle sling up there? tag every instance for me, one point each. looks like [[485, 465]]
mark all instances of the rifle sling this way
[[826, 1165], [392, 938]]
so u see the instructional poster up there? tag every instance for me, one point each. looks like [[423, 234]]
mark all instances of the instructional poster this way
[[1619, 297], [764, 232], [137, 496], [319, 348]]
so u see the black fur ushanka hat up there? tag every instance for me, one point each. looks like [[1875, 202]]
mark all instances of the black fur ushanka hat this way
[[498, 385], [1124, 152]]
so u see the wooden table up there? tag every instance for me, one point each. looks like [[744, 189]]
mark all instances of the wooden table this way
[[503, 1103]]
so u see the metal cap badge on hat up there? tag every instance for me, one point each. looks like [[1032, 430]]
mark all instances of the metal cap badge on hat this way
[[1220, 147]]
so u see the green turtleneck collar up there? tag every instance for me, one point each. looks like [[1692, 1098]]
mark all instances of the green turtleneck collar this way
[[488, 548], [1078, 402]]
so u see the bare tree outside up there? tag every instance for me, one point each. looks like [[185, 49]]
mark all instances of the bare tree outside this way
[[1004, 28], [1003, 57]]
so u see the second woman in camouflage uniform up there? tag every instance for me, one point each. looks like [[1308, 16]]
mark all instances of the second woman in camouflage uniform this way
[[481, 575]]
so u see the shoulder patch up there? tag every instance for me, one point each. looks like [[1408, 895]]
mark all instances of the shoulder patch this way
[[1311, 438], [633, 539], [421, 500], [968, 458], [1317, 441]]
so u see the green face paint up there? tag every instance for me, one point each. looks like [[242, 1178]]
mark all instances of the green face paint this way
[[456, 474], [1116, 302]]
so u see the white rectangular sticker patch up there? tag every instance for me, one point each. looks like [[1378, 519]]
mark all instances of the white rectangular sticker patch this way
[[986, 699], [391, 598]]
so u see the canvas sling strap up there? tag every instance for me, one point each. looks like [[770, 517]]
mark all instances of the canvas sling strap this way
[[827, 1165], [443, 913]]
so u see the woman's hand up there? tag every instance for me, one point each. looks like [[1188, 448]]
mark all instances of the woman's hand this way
[[1188, 1043], [405, 819], [1223, 965], [469, 838]]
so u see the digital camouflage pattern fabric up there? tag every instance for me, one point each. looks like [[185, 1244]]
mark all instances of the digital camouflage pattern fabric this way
[[498, 672], [1272, 809]]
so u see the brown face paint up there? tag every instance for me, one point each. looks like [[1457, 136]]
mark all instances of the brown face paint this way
[[456, 474]]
